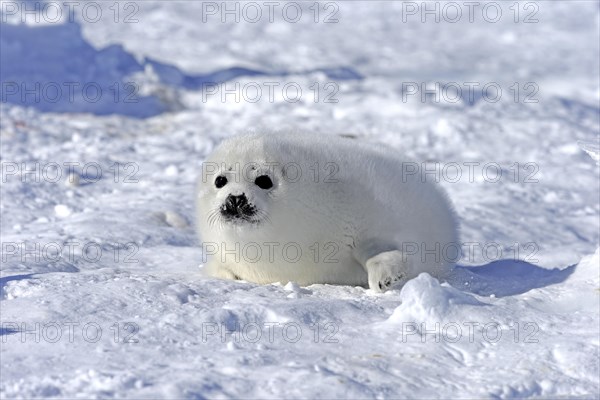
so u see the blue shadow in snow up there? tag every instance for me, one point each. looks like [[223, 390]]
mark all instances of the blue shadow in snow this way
[[174, 77], [10, 328], [6, 279], [53, 68], [8, 331], [506, 277]]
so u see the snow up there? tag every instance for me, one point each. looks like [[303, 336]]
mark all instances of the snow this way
[[100, 290]]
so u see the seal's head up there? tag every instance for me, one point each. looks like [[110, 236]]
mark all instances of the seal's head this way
[[239, 198], [264, 188], [238, 186]]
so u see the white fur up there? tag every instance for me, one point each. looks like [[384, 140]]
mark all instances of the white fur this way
[[350, 203]]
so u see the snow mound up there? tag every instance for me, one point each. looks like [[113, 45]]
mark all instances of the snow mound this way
[[425, 299]]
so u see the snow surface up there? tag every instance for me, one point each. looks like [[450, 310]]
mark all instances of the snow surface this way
[[167, 333]]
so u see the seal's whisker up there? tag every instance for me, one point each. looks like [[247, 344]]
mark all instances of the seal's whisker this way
[[262, 216], [213, 217]]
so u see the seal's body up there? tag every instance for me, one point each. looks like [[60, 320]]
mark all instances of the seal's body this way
[[320, 209]]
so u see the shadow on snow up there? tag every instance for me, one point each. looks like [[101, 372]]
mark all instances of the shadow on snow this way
[[54, 68], [506, 277]]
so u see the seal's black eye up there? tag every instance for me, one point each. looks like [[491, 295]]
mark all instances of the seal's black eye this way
[[220, 181], [264, 182]]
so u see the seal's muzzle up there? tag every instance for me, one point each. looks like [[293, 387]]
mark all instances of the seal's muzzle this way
[[237, 207]]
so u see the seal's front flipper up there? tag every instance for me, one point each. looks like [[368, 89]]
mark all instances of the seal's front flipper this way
[[388, 269]]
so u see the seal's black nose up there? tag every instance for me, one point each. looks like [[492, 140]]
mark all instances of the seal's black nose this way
[[237, 207], [236, 202]]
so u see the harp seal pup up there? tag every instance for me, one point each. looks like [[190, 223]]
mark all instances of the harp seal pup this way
[[320, 209]]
